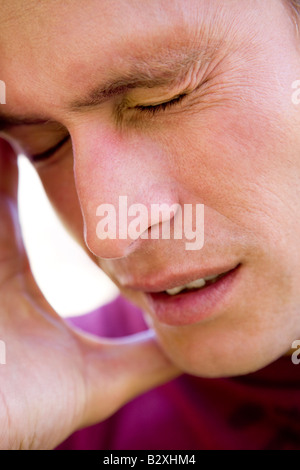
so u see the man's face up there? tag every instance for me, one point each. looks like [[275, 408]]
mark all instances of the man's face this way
[[93, 70]]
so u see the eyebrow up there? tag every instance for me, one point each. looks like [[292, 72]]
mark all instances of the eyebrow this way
[[141, 74]]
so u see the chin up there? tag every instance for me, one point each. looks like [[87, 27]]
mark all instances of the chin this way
[[220, 359], [221, 368]]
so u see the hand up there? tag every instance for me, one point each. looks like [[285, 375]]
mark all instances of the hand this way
[[56, 379]]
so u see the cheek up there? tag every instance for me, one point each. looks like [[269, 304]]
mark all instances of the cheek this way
[[244, 166]]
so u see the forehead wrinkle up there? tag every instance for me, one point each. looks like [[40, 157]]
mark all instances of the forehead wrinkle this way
[[171, 68], [145, 73]]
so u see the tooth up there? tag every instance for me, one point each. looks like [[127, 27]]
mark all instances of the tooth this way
[[192, 285], [196, 284], [210, 278], [174, 291]]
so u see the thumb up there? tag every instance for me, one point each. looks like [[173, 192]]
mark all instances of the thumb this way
[[119, 370]]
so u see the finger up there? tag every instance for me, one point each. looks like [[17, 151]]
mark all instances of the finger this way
[[119, 370]]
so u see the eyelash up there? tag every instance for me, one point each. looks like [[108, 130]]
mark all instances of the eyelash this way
[[153, 109], [50, 152]]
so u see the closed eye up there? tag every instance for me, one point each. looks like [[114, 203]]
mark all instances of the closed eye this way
[[151, 109], [155, 108], [48, 153]]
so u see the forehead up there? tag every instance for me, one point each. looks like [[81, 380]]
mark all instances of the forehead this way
[[74, 32], [58, 49]]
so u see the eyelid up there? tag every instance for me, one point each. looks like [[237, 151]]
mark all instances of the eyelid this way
[[48, 153], [161, 105]]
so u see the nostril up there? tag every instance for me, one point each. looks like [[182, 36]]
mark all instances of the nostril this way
[[104, 247]]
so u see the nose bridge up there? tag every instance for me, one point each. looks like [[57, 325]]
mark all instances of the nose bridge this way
[[113, 175]]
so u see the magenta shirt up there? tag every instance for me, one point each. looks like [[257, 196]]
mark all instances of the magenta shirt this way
[[256, 411]]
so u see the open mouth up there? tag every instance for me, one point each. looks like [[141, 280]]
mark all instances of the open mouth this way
[[195, 301], [198, 284]]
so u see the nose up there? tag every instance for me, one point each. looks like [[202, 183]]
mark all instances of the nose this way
[[119, 180]]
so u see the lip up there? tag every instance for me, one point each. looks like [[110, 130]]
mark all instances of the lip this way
[[195, 306], [151, 286]]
